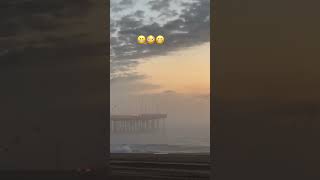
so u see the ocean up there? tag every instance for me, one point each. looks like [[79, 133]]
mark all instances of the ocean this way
[[174, 140]]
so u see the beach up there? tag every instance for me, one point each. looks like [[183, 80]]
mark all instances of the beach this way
[[160, 166]]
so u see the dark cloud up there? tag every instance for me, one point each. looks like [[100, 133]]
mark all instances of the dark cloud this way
[[190, 28], [126, 2], [117, 6], [159, 4], [116, 9], [128, 22], [139, 14], [168, 13], [134, 30]]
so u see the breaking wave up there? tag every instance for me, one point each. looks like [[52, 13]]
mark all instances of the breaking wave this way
[[158, 148]]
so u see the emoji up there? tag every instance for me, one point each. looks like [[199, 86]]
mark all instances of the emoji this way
[[141, 39], [159, 39], [150, 39]]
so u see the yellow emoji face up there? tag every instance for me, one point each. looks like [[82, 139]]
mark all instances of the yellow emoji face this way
[[159, 39], [150, 39], [141, 39]]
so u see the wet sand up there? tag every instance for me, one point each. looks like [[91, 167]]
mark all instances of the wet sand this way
[[160, 166]]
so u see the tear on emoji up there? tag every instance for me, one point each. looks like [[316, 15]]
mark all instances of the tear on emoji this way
[[150, 39]]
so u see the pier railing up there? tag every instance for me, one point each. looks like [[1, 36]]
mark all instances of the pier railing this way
[[137, 123]]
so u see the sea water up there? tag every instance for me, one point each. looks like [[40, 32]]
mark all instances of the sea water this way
[[168, 140]]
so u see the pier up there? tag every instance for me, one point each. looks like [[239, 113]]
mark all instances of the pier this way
[[137, 123]]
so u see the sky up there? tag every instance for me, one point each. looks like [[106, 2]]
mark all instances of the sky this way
[[179, 69]]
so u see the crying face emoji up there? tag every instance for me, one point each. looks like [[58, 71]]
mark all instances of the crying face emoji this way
[[150, 39]]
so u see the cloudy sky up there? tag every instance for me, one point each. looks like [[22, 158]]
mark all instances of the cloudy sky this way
[[142, 76], [184, 23]]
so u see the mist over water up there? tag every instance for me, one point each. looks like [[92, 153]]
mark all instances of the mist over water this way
[[186, 128]]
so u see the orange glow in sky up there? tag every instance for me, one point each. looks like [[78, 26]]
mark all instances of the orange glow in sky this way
[[185, 71]]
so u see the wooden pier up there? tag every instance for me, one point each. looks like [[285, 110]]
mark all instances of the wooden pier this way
[[137, 123]]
